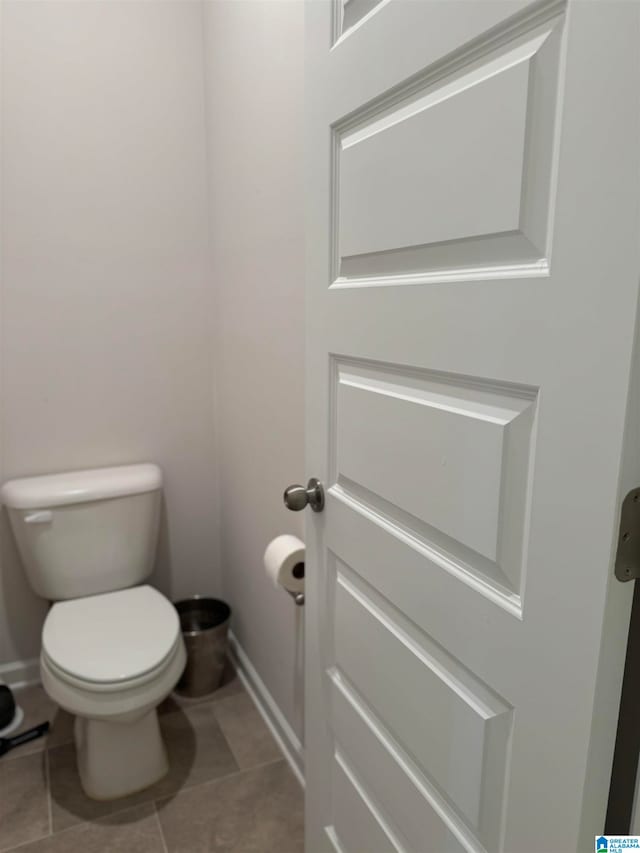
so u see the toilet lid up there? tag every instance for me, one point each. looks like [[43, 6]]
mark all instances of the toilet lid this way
[[111, 637]]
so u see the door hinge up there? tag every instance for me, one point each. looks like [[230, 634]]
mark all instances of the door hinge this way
[[628, 555]]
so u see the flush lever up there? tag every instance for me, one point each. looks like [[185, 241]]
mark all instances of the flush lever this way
[[41, 516], [297, 497]]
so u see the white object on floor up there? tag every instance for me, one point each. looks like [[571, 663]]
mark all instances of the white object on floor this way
[[110, 660], [119, 746], [111, 650]]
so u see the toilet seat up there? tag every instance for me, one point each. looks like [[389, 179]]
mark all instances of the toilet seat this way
[[111, 687], [123, 702], [112, 641]]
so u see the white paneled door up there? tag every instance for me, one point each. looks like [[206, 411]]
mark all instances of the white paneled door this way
[[472, 286]]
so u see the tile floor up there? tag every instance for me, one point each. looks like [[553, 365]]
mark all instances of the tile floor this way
[[228, 787]]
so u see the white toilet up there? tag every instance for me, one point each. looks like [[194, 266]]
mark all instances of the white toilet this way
[[111, 650]]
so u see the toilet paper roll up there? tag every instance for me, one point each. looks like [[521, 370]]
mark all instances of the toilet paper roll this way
[[284, 562]]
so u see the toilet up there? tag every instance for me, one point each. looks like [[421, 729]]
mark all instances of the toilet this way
[[111, 645]]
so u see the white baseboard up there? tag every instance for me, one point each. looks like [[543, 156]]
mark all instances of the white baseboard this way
[[20, 673], [285, 736]]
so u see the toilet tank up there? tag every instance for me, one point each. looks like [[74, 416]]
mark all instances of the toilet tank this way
[[86, 532]]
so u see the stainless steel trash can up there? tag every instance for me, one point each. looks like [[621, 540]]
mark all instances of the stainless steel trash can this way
[[204, 623]]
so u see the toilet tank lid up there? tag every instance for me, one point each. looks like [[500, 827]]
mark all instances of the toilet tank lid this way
[[81, 486]]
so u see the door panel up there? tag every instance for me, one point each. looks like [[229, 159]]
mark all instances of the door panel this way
[[357, 823], [393, 778], [455, 469], [394, 177], [455, 170], [472, 293], [379, 652]]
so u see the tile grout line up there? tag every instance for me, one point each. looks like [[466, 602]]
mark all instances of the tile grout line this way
[[84, 823], [152, 803], [47, 776], [160, 830], [24, 844], [97, 821], [143, 801], [18, 755], [187, 788], [224, 778]]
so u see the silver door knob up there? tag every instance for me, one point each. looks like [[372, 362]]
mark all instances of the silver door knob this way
[[297, 497]]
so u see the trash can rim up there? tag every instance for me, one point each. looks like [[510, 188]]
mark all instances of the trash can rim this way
[[225, 607]]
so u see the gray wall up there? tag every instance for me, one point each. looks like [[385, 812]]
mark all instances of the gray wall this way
[[106, 342], [254, 94]]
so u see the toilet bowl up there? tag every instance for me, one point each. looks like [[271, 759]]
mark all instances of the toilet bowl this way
[[110, 660], [112, 649]]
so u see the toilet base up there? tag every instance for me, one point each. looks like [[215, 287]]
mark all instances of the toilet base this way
[[119, 758]]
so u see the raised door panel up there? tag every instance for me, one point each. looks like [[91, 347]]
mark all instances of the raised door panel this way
[[454, 727], [397, 185], [453, 172], [446, 457]]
